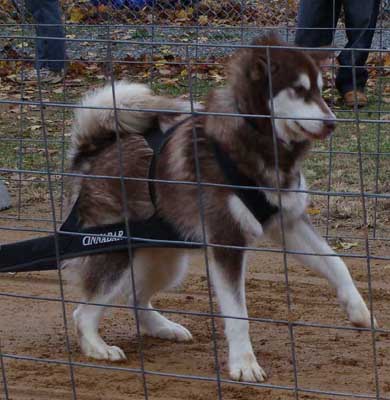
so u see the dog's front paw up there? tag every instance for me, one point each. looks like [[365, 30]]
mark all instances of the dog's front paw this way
[[102, 351], [170, 330], [356, 308], [359, 315], [245, 368]]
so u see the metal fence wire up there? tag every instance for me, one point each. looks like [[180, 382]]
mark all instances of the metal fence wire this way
[[299, 335]]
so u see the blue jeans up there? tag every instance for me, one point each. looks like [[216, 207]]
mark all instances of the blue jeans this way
[[360, 22], [50, 53]]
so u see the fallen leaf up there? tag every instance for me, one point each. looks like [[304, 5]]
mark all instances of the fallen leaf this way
[[203, 20], [169, 82], [386, 60], [313, 211], [76, 15], [77, 68], [102, 8], [165, 71], [182, 15], [341, 245], [217, 77]]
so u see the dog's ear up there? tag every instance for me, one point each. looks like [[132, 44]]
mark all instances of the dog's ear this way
[[260, 56], [270, 39], [260, 68], [257, 71]]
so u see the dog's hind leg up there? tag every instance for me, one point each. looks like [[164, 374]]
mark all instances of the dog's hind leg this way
[[158, 269], [103, 279], [106, 277], [300, 236], [228, 274]]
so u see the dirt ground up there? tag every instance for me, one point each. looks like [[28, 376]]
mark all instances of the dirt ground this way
[[326, 359]]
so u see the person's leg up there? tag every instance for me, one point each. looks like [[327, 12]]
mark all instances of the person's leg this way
[[312, 15], [360, 21], [47, 16], [33, 7]]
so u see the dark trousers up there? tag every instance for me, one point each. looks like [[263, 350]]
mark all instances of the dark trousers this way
[[360, 22], [50, 53]]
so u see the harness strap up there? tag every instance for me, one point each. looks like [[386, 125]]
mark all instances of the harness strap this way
[[252, 122], [39, 254], [255, 200], [157, 141]]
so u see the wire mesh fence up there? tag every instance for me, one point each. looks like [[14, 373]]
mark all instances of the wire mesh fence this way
[[166, 12], [299, 335]]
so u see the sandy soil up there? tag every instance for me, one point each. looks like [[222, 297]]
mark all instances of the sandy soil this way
[[326, 359]]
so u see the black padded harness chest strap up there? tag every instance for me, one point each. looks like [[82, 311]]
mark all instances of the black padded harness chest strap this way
[[255, 200], [157, 140]]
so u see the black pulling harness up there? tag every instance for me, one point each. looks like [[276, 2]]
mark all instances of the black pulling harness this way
[[72, 241]]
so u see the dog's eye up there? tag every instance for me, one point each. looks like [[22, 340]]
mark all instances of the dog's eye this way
[[300, 90]]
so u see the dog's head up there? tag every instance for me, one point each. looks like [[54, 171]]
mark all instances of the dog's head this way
[[285, 83]]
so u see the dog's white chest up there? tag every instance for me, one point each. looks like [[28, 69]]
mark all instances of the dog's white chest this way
[[294, 202], [246, 220]]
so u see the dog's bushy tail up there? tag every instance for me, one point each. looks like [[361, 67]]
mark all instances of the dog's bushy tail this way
[[96, 122]]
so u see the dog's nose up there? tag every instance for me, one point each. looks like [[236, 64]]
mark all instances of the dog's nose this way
[[330, 124]]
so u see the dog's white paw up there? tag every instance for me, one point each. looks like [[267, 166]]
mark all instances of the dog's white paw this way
[[356, 308], [103, 352], [246, 368], [359, 315], [170, 330]]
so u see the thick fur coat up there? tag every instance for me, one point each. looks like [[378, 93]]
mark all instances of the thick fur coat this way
[[110, 142]]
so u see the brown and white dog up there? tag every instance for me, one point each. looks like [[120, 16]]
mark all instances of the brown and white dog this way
[[301, 116]]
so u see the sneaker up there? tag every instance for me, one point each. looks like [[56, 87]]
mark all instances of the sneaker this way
[[50, 76], [45, 76]]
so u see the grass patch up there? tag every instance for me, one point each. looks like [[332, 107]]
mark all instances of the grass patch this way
[[343, 150], [200, 87]]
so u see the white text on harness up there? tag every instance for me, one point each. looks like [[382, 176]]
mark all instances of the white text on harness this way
[[106, 238]]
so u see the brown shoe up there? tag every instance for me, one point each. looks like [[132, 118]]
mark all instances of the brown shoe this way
[[352, 97]]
